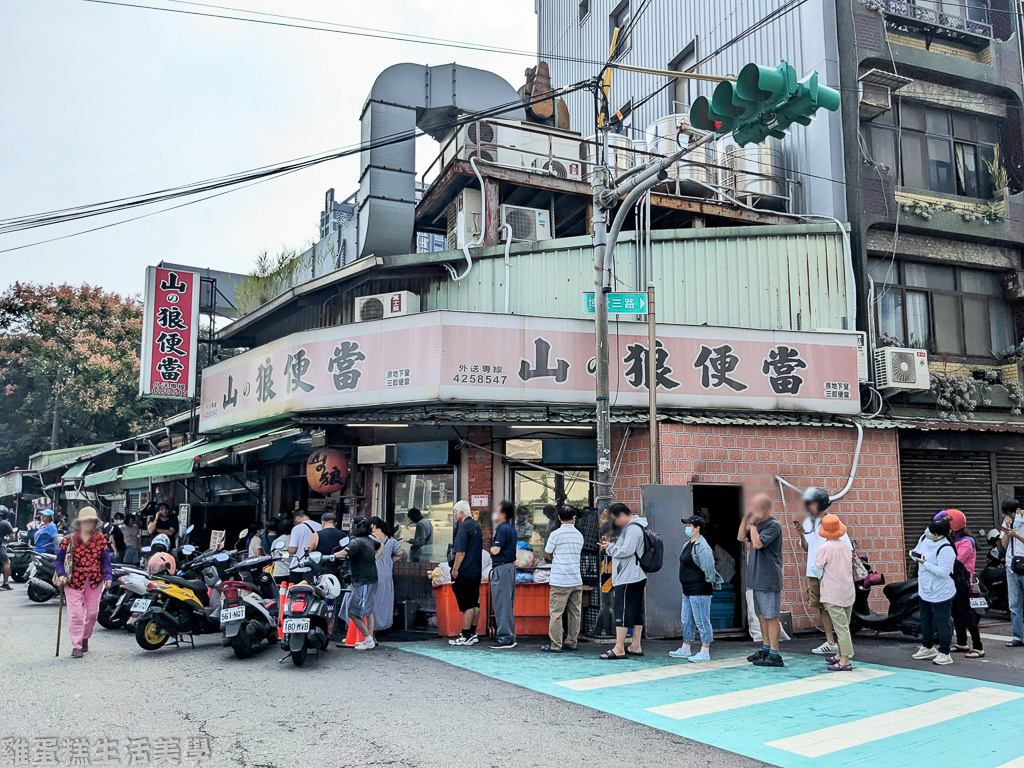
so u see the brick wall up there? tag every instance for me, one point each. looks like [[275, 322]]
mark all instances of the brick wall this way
[[804, 456], [631, 458], [480, 470]]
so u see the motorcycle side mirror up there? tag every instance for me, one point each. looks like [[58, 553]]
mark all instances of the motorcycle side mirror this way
[[222, 557], [279, 545], [316, 557], [147, 549], [344, 543], [188, 549], [190, 529]]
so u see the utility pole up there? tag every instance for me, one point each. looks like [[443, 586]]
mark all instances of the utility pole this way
[[603, 388], [56, 408], [652, 374]]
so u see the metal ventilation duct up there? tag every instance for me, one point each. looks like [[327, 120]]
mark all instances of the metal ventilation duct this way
[[405, 97]]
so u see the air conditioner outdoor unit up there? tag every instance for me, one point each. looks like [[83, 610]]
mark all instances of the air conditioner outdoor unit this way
[[903, 370], [528, 224], [384, 305], [464, 218], [553, 155], [863, 369]]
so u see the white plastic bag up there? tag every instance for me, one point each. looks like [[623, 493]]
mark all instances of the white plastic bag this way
[[542, 575]]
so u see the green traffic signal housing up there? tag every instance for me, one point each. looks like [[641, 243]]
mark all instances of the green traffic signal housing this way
[[762, 102]]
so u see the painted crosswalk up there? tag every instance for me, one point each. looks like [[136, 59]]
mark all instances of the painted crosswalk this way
[[835, 738], [793, 717], [723, 702]]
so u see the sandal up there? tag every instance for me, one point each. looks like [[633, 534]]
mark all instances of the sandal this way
[[960, 649], [837, 667], [633, 653], [975, 655], [611, 655]]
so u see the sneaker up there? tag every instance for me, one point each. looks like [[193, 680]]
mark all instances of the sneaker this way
[[943, 659], [463, 640], [76, 654], [503, 646], [769, 661], [698, 657], [923, 654], [366, 645], [683, 652], [826, 649], [757, 655]]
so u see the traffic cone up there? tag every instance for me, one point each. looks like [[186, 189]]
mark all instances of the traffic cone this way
[[354, 635], [283, 594]]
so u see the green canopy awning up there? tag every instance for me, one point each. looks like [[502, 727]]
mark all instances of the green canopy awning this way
[[75, 472], [181, 461], [101, 478]]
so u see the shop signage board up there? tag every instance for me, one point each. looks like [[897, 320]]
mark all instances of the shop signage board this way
[[170, 334], [619, 303], [10, 484], [487, 358]]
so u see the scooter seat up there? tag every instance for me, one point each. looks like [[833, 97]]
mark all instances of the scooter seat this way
[[196, 585], [899, 589]]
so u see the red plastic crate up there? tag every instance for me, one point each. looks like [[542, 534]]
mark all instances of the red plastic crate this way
[[533, 601], [449, 618]]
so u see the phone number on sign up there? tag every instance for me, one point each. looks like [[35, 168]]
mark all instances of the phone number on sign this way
[[478, 378]]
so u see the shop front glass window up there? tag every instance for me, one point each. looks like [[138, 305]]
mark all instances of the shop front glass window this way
[[534, 490], [433, 493]]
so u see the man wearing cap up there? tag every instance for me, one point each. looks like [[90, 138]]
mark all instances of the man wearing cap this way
[[833, 566], [816, 501], [46, 533]]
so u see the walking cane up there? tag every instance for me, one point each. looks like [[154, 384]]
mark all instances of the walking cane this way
[[60, 617]]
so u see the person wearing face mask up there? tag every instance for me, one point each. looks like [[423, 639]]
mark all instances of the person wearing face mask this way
[[1013, 540], [503, 575], [936, 589], [698, 578], [467, 570]]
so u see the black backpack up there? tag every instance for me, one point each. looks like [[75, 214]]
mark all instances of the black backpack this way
[[654, 551], [960, 575]]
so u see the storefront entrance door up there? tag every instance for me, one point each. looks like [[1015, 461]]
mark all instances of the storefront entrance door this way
[[433, 492], [533, 490]]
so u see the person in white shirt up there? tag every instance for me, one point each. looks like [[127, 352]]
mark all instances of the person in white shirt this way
[[563, 552], [816, 502], [1013, 541], [935, 555], [302, 532]]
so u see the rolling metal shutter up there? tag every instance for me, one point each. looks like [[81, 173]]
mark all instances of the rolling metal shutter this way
[[1010, 468], [936, 480]]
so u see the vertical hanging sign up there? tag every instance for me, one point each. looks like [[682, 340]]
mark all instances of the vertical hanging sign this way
[[170, 333]]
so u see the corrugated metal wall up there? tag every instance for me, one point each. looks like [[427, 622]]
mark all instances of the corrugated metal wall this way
[[805, 37], [784, 278]]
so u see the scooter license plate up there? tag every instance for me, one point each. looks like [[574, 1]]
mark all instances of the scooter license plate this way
[[141, 605], [292, 626], [232, 614], [979, 602]]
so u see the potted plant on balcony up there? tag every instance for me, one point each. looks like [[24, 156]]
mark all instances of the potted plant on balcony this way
[[997, 172]]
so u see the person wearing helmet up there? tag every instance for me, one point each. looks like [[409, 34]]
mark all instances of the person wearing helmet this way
[[965, 620], [816, 502]]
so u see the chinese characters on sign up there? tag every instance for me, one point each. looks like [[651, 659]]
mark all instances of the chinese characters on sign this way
[[478, 358], [170, 333], [81, 750]]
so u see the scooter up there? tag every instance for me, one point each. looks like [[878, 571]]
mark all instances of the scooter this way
[[904, 608], [128, 584], [182, 607], [249, 606], [40, 577], [20, 554], [309, 610]]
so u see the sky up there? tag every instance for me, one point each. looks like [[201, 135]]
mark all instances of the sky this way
[[99, 102]]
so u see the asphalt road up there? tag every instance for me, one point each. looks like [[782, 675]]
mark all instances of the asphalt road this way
[[348, 708]]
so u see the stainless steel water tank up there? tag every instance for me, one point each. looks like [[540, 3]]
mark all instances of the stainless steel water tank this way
[[754, 170], [620, 154], [698, 165]]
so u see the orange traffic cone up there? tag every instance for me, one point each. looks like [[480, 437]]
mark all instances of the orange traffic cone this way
[[282, 596], [354, 635]]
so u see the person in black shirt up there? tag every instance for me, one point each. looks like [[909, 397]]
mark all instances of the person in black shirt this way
[[466, 572], [698, 578], [503, 575], [116, 539], [362, 557], [165, 522], [5, 561], [327, 540]]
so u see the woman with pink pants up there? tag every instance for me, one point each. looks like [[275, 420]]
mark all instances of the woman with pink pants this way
[[83, 569]]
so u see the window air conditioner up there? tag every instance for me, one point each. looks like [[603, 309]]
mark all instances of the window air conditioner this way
[[902, 370], [876, 88], [528, 224], [384, 305]]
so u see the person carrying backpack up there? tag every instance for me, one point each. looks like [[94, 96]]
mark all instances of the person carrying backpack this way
[[936, 589], [636, 553], [965, 620]]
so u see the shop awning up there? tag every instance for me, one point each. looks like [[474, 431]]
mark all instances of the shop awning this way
[[101, 478], [181, 461], [75, 472]]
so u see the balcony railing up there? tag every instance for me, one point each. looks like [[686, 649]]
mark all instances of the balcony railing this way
[[955, 18]]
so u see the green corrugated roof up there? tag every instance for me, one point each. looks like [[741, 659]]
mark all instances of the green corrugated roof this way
[[101, 478], [181, 461], [76, 471], [61, 456]]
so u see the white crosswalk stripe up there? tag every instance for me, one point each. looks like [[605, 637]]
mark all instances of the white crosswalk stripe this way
[[1018, 763], [997, 638], [766, 693], [835, 738], [649, 674]]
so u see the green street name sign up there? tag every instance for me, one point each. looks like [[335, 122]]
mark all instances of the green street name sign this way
[[619, 303]]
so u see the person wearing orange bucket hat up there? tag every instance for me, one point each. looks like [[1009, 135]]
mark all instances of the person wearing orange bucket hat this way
[[833, 564]]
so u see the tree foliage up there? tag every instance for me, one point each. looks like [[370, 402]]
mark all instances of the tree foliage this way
[[77, 344]]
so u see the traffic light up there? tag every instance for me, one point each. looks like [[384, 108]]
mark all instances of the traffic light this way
[[762, 102]]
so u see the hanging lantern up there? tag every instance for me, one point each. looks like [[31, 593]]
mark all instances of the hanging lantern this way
[[326, 470]]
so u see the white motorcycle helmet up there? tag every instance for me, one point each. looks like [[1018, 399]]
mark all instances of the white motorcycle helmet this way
[[330, 584]]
